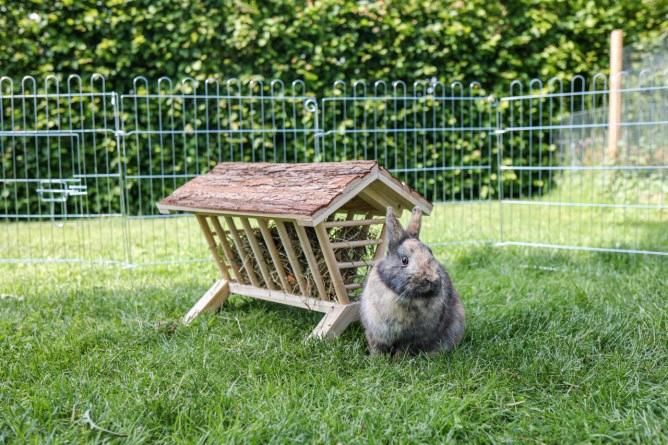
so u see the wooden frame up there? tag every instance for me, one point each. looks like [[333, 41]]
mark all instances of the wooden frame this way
[[243, 280], [260, 254]]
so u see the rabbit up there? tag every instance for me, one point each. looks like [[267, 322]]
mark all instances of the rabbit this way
[[409, 304]]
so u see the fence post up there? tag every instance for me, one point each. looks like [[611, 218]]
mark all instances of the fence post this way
[[119, 136], [615, 96]]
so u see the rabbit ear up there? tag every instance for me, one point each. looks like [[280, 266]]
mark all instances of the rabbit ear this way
[[415, 223], [394, 232]]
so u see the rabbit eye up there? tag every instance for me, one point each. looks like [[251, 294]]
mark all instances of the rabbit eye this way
[[404, 260]]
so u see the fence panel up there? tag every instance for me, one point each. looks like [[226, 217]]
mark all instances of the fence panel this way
[[60, 167], [81, 166], [438, 139], [173, 132], [564, 185]]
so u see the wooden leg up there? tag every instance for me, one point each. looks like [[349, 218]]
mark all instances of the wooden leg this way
[[212, 300], [336, 321]]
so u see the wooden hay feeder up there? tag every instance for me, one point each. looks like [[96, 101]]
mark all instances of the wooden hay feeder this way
[[303, 235]]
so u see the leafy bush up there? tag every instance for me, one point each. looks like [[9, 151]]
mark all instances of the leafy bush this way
[[320, 42]]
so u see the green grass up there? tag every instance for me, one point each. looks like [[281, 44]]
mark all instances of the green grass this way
[[561, 347]]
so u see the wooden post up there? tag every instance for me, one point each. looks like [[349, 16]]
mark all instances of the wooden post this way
[[257, 251], [206, 230], [615, 96], [246, 261], [312, 262], [227, 250], [273, 252], [330, 259], [292, 257]]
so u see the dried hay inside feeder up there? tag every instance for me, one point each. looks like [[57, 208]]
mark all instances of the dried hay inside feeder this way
[[353, 275]]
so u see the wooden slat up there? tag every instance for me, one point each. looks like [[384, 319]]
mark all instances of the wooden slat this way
[[210, 301], [312, 263], [359, 243], [165, 209], [330, 259], [408, 197], [277, 296], [246, 260], [255, 247], [227, 249], [380, 250], [353, 223], [273, 252], [354, 264], [376, 199], [206, 230], [292, 257], [336, 321], [365, 229], [351, 190]]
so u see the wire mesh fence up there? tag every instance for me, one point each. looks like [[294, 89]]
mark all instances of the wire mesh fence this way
[[82, 165], [573, 187]]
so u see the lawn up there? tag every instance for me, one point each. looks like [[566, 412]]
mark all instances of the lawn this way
[[561, 347]]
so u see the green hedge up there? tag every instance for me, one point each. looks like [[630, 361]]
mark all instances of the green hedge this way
[[317, 41], [320, 41]]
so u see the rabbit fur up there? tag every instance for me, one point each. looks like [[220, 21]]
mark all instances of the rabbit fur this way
[[408, 304]]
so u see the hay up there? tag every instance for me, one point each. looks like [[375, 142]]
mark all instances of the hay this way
[[350, 276]]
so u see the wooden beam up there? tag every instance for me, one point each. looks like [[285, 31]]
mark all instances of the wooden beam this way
[[210, 301], [227, 249], [206, 230], [377, 199], [277, 296], [349, 193], [358, 243], [615, 99], [353, 223], [246, 260], [355, 264], [330, 260], [410, 198], [336, 321], [255, 247], [273, 252], [166, 209], [292, 257], [312, 263]]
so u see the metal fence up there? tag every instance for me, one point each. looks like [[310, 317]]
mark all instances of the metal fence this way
[[82, 165]]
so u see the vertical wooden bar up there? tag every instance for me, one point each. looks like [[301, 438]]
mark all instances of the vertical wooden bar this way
[[292, 257], [255, 247], [206, 230], [332, 267], [246, 261], [227, 249], [312, 263], [365, 229], [273, 252], [380, 250], [615, 99]]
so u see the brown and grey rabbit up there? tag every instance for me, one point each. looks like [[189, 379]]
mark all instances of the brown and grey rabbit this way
[[409, 304]]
